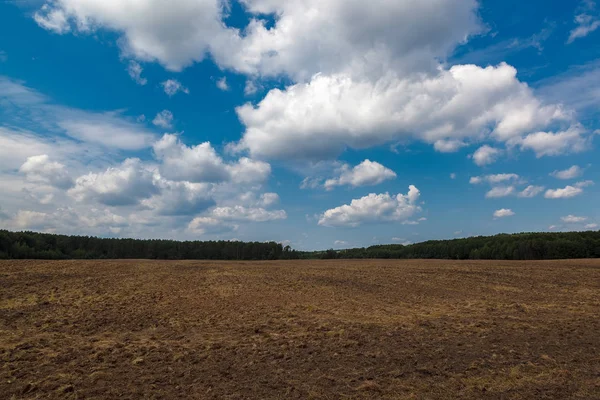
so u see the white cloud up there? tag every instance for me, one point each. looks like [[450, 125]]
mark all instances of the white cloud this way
[[373, 208], [164, 119], [209, 225], [585, 22], [126, 184], [246, 170], [180, 198], [552, 144], [448, 146], [452, 175], [486, 155], [572, 219], [268, 199], [24, 106], [321, 118], [222, 84], [583, 184], [568, 191], [17, 145], [199, 163], [564, 193], [569, 173], [173, 86], [367, 173], [591, 226], [107, 129], [135, 72], [493, 179], [500, 191], [52, 19], [503, 212], [174, 34], [68, 220], [224, 219], [365, 73], [340, 243], [40, 169], [531, 191]]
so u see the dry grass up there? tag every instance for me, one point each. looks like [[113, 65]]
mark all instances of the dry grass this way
[[300, 329]]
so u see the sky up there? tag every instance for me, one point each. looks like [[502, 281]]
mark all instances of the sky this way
[[314, 123]]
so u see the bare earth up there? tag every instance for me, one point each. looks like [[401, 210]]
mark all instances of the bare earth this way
[[300, 329]]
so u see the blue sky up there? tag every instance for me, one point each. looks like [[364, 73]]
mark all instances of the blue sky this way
[[315, 123]]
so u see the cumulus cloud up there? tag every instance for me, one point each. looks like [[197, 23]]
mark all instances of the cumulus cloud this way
[[209, 225], [180, 198], [500, 191], [135, 72], [591, 226], [201, 163], [363, 74], [184, 33], [373, 208], [225, 219], [246, 170], [173, 86], [320, 118], [125, 184], [531, 191], [41, 170], [572, 219], [486, 155], [564, 193], [570, 173], [503, 213], [448, 146], [367, 173], [552, 144], [164, 119]]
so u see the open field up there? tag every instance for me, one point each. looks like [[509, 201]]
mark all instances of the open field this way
[[300, 329]]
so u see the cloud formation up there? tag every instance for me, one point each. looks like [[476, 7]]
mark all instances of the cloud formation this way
[[373, 208]]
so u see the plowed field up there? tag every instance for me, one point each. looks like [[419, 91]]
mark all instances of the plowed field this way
[[364, 329]]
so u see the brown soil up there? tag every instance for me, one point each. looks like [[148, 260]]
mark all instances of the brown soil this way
[[300, 329]]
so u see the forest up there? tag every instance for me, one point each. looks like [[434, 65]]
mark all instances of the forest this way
[[33, 245], [519, 246]]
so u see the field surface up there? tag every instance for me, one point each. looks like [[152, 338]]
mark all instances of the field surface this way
[[364, 329]]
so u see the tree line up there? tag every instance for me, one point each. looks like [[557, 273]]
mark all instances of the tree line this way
[[520, 246], [33, 245]]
